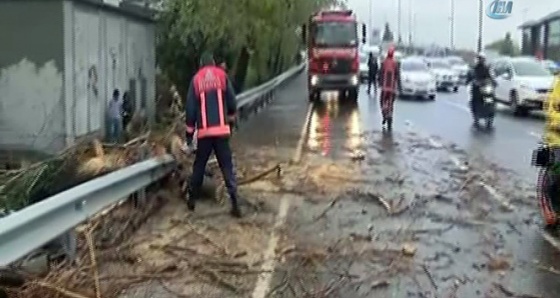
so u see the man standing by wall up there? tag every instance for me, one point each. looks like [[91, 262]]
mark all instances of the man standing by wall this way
[[114, 115]]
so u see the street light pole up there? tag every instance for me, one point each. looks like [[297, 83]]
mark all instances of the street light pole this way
[[399, 22], [452, 29], [480, 10], [410, 24], [370, 30]]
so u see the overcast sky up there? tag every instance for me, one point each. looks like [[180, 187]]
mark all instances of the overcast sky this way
[[432, 19]]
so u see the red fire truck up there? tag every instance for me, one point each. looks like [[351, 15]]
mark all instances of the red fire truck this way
[[331, 38]]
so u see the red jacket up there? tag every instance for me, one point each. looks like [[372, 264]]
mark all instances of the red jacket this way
[[390, 75], [211, 103]]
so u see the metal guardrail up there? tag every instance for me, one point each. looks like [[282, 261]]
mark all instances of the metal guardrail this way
[[28, 229]]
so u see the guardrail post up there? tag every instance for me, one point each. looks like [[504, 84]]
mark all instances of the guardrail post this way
[[69, 244], [140, 196]]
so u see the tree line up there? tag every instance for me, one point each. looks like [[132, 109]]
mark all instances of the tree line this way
[[255, 38], [505, 46]]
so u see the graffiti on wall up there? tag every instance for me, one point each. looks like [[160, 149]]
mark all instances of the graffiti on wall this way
[[93, 80], [133, 83]]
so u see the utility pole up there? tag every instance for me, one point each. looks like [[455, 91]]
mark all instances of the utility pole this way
[[399, 22], [410, 24], [480, 10], [370, 29], [452, 29]]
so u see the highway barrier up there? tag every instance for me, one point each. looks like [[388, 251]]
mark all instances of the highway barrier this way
[[55, 218]]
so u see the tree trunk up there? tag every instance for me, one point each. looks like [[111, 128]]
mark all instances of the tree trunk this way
[[241, 69]]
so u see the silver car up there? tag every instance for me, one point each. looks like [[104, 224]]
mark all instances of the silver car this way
[[416, 79], [446, 77]]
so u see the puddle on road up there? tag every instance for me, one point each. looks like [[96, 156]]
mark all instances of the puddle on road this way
[[405, 193]]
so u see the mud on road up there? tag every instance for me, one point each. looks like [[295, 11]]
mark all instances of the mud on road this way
[[402, 216], [412, 217]]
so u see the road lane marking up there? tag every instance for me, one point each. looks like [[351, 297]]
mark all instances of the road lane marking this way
[[303, 135], [550, 239], [497, 196], [265, 278]]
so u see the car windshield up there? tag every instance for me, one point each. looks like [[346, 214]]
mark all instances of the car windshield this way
[[335, 34], [530, 68], [440, 64], [413, 66]]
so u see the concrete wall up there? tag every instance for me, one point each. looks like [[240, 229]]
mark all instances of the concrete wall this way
[[105, 50], [60, 61], [31, 75]]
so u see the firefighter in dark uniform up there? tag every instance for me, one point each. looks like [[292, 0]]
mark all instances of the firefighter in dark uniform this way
[[210, 109], [373, 68], [389, 80]]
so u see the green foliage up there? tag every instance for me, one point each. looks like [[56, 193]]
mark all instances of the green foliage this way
[[505, 46], [255, 34], [387, 33]]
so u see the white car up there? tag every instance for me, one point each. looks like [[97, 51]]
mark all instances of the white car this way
[[446, 78], [416, 79], [460, 67], [522, 83]]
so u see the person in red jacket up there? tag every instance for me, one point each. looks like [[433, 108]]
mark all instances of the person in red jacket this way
[[389, 80], [210, 109]]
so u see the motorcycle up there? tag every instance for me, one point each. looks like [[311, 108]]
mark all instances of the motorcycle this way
[[548, 184], [487, 108]]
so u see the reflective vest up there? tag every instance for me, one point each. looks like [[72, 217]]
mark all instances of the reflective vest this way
[[389, 75], [209, 84]]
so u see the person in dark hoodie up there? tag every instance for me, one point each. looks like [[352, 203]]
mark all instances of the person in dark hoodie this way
[[211, 109], [373, 68], [128, 109]]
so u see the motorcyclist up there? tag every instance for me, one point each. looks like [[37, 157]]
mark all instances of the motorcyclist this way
[[477, 74]]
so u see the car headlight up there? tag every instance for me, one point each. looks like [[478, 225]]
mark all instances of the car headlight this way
[[314, 80], [488, 89], [354, 80]]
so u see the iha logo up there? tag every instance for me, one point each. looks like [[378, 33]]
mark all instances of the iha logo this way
[[499, 10]]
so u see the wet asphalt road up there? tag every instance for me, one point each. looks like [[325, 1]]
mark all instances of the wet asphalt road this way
[[340, 132]]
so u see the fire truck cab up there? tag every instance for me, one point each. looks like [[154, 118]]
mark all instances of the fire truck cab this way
[[332, 42]]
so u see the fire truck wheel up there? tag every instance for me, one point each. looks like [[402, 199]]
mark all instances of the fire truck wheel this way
[[313, 96], [353, 94]]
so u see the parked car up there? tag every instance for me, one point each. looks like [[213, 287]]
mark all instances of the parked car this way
[[522, 83], [417, 80], [446, 78], [459, 66]]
